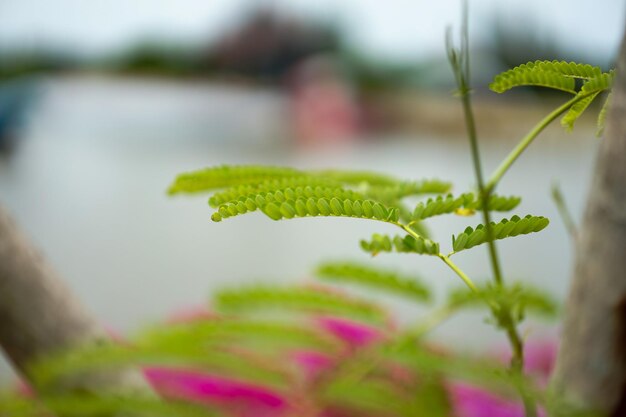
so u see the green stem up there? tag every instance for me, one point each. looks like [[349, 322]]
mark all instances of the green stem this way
[[468, 281], [564, 212], [484, 193], [527, 140]]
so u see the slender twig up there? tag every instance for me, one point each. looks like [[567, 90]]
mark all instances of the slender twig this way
[[528, 139], [459, 61], [564, 212]]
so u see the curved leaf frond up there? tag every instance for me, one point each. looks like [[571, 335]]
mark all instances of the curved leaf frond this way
[[497, 203], [588, 92], [532, 76], [114, 356], [356, 177], [559, 75], [227, 176], [439, 205], [515, 298], [569, 69], [242, 332], [339, 206], [602, 82], [576, 111], [602, 115], [505, 228], [407, 244], [377, 278], [284, 198], [463, 205], [302, 299], [392, 193], [235, 193], [80, 404]]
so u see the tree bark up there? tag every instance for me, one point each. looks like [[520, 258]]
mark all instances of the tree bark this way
[[40, 316], [591, 366]]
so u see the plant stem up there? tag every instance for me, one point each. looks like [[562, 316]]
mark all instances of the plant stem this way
[[468, 281], [460, 65], [527, 140], [484, 193], [564, 212]]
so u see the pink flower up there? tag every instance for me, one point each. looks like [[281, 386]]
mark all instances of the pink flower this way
[[351, 332], [312, 363], [471, 401], [244, 399]]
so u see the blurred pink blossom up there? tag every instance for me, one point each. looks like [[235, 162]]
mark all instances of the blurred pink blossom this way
[[245, 399]]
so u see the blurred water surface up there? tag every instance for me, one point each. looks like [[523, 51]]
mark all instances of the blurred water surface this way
[[87, 182]]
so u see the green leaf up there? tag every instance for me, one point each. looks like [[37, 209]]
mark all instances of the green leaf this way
[[505, 228], [208, 357], [285, 203], [515, 298], [559, 75], [292, 299], [576, 111], [531, 75], [340, 206], [236, 193], [236, 331], [228, 176], [357, 177], [400, 190], [407, 244], [602, 115], [463, 205], [377, 278], [439, 205]]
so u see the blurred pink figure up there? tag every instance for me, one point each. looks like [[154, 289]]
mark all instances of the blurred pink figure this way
[[471, 401], [353, 333], [241, 398], [323, 106]]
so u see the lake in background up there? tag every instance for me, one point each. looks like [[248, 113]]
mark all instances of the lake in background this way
[[87, 182]]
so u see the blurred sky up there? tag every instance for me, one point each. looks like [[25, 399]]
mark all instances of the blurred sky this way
[[392, 29]]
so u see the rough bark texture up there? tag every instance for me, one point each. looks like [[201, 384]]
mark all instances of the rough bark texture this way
[[40, 316], [591, 367]]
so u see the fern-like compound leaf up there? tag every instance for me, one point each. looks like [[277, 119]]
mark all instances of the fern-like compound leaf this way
[[377, 278], [296, 197], [576, 111], [559, 75], [602, 115], [439, 205], [251, 333], [516, 299], [505, 228], [532, 76], [407, 244], [357, 177], [569, 69], [339, 203], [602, 82], [228, 176], [294, 299], [465, 204], [588, 92], [235, 193], [395, 192], [77, 404], [497, 203]]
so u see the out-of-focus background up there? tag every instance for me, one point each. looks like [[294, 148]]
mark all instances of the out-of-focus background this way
[[102, 103]]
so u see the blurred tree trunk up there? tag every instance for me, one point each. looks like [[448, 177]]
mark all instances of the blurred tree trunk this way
[[40, 316], [591, 367]]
